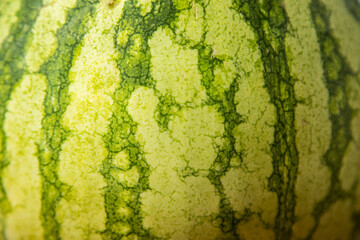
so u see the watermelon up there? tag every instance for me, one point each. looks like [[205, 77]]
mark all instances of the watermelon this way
[[179, 119]]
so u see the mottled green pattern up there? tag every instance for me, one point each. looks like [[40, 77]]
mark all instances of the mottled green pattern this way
[[56, 70]]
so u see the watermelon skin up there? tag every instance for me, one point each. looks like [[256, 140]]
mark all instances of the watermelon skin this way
[[179, 119]]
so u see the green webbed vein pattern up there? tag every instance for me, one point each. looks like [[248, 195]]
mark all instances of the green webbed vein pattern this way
[[269, 21], [56, 70], [12, 64], [134, 66], [166, 108], [337, 72], [129, 168], [227, 108]]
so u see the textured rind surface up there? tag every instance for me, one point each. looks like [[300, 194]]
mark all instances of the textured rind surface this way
[[182, 119]]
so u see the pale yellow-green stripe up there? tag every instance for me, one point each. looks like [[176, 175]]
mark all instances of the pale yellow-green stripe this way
[[336, 223], [253, 229], [8, 10], [94, 78], [22, 180], [22, 177], [190, 24], [179, 76], [311, 114], [177, 207]]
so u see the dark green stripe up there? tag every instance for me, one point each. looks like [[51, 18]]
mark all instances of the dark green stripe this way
[[280, 85], [353, 7], [134, 68], [12, 64], [337, 72], [57, 99]]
